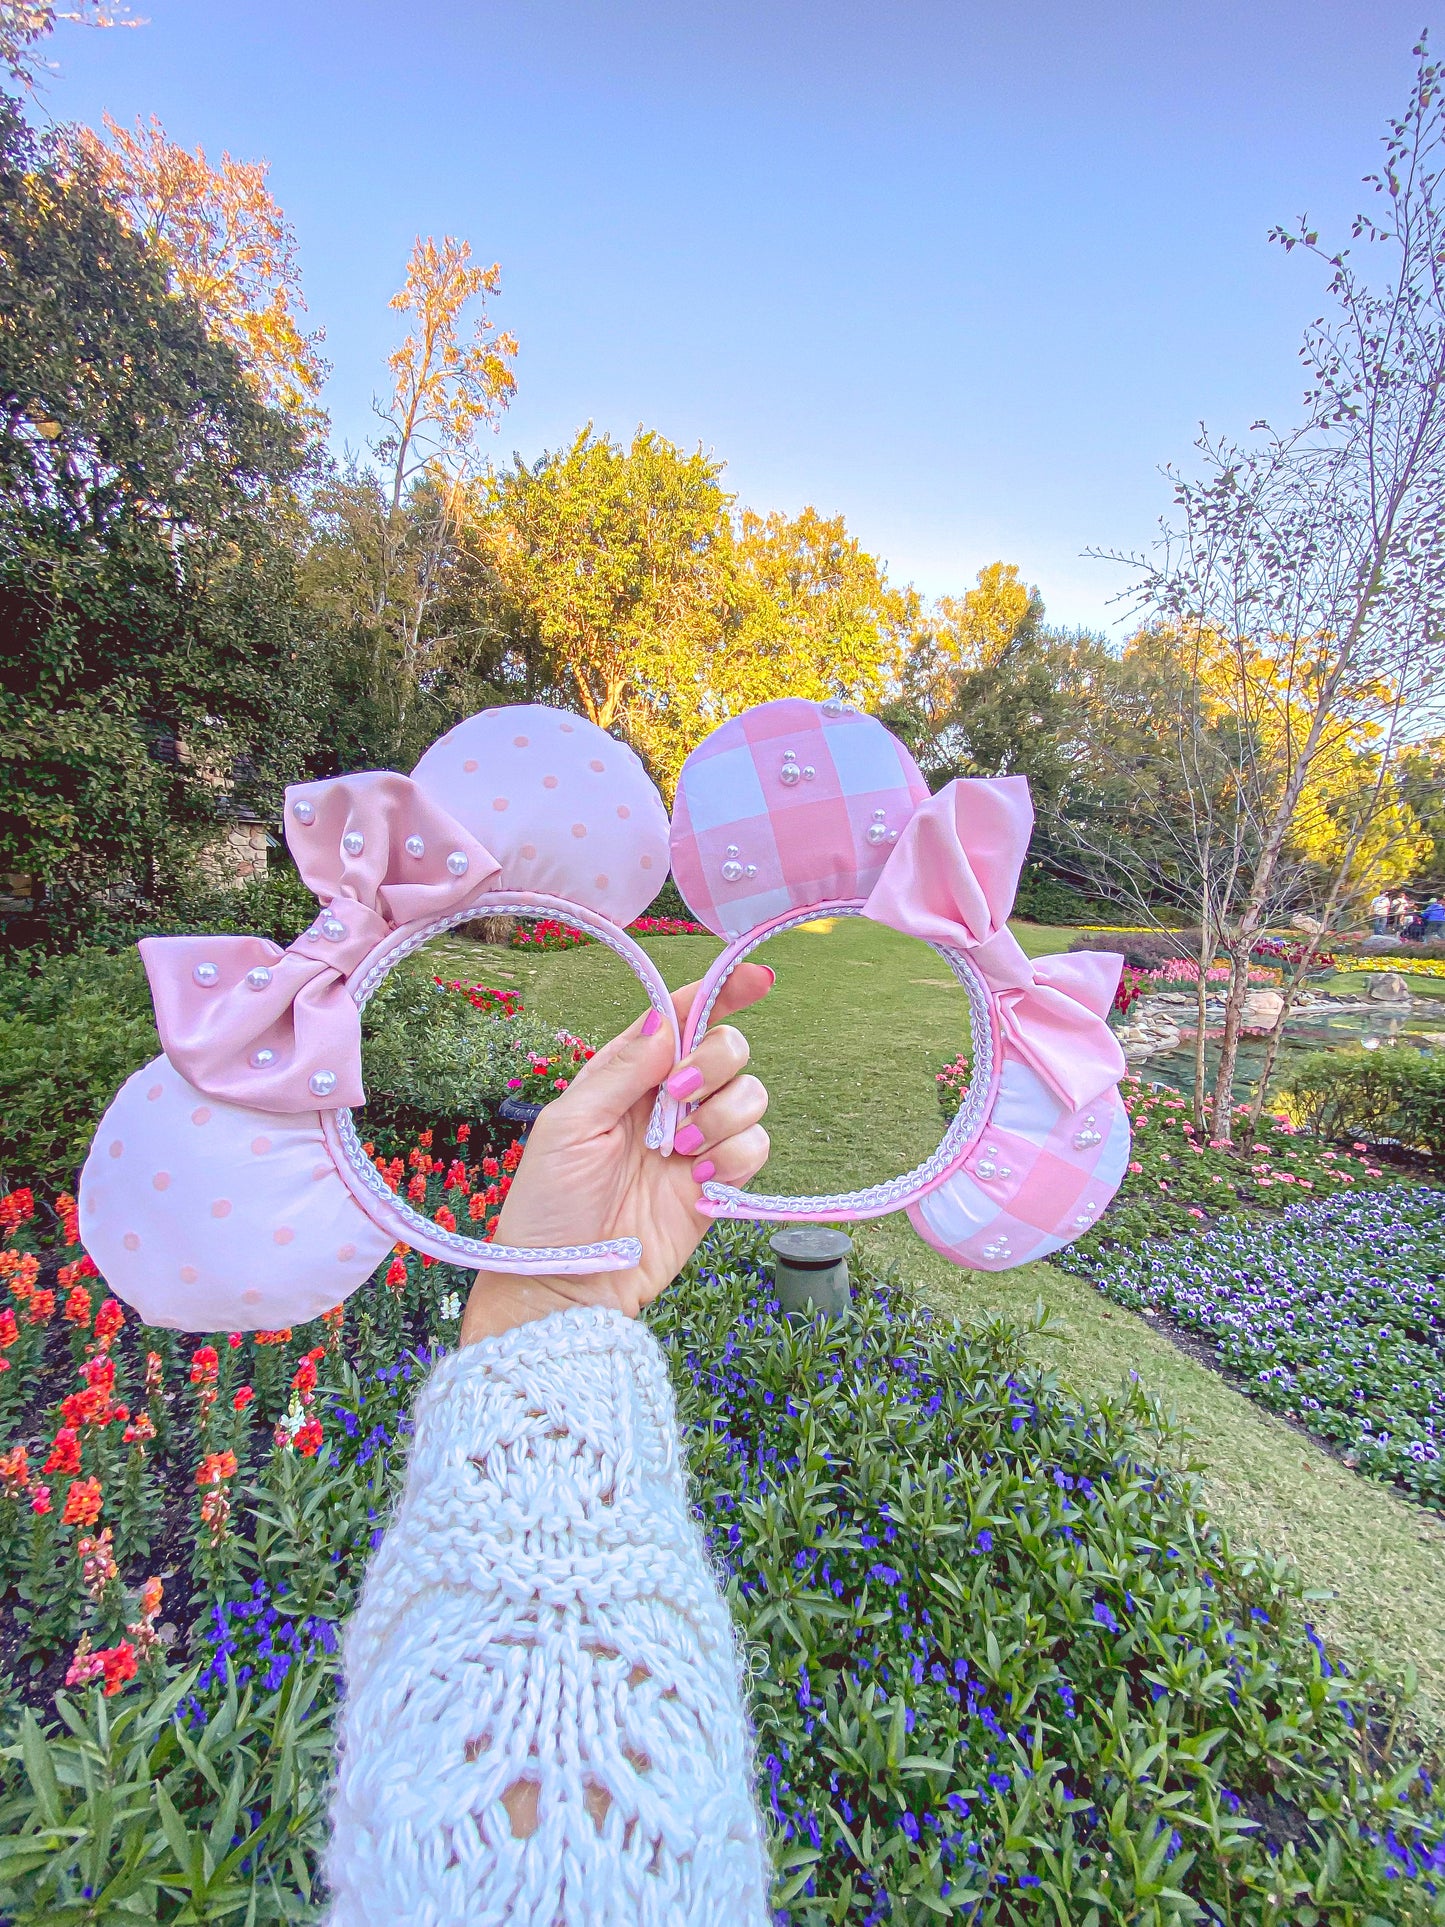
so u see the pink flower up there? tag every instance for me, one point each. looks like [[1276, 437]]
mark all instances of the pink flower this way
[[514, 1083], [1195, 1212], [1136, 1168]]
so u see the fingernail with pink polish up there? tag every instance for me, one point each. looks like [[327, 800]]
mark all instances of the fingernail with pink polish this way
[[652, 1023], [703, 1170], [688, 1140], [684, 1082]]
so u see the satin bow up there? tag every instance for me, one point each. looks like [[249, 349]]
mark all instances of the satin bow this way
[[277, 1030], [951, 879]]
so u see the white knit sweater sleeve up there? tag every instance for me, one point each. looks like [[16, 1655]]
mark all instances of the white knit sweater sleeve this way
[[543, 1724]]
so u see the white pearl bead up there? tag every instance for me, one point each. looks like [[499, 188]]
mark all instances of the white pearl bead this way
[[261, 1058], [808, 772], [259, 977], [414, 846], [732, 850], [353, 843], [731, 871], [789, 774], [303, 811], [333, 929], [751, 870], [877, 833], [206, 975], [322, 1083], [459, 863]]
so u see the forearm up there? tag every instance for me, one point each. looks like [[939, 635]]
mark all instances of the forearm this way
[[543, 1722]]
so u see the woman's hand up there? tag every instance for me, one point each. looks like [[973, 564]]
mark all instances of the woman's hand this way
[[588, 1173]]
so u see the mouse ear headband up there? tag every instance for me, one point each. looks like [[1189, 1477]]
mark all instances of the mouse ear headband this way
[[797, 810], [227, 1188]]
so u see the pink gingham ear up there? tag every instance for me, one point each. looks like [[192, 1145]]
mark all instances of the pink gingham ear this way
[[791, 804], [569, 811]]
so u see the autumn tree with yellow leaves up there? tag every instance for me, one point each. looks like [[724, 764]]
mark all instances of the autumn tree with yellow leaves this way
[[227, 245]]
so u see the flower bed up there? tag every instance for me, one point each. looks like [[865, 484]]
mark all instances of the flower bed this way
[[1001, 1662], [552, 935], [1332, 1315]]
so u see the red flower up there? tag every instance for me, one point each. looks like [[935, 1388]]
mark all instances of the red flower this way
[[282, 1337], [9, 1330], [308, 1439], [82, 1503], [477, 1206], [109, 1320], [40, 1498], [215, 1467], [456, 1178], [511, 1157], [118, 1663], [100, 1372], [242, 1399], [17, 1208], [424, 1139], [233, 1339], [305, 1379], [416, 1190], [204, 1365], [490, 1168], [464, 1132], [396, 1274], [445, 1217], [64, 1453]]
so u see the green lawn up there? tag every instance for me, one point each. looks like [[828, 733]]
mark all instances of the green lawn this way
[[848, 1043]]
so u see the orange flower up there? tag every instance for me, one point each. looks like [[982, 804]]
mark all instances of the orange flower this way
[[215, 1467], [151, 1594], [78, 1307], [42, 1307], [68, 1213], [82, 1503], [445, 1218], [477, 1206], [308, 1439], [204, 1365], [119, 1665], [15, 1470], [64, 1453], [108, 1320]]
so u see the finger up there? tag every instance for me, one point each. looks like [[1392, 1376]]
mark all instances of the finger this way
[[718, 1056], [735, 1108], [624, 1071], [737, 1160], [748, 984]]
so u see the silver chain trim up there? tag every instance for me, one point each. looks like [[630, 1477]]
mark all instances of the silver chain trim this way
[[965, 1126], [358, 1167]]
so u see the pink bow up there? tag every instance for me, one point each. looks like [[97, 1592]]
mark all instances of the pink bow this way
[[951, 880], [276, 1030]]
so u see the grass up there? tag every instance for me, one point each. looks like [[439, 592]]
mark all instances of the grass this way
[[848, 1043]]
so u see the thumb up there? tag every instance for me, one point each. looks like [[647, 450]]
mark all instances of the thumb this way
[[624, 1071]]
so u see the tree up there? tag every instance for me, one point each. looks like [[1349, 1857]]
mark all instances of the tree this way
[[394, 560], [812, 615], [25, 23], [1305, 574], [621, 560], [152, 663], [227, 245]]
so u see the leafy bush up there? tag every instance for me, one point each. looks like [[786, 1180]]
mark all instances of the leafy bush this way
[[1043, 898], [1332, 1315], [72, 1029], [431, 1052], [1352, 1093], [1002, 1666]]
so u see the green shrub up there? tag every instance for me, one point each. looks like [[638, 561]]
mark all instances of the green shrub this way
[[72, 1029], [1144, 949], [1380, 1094], [277, 905], [669, 902], [428, 1055], [1042, 898]]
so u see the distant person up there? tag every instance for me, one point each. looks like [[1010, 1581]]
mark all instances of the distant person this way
[[1380, 914], [1433, 919], [1399, 912]]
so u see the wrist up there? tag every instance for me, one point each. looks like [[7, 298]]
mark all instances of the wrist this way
[[500, 1301]]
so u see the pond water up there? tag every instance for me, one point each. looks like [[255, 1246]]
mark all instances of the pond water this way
[[1307, 1032]]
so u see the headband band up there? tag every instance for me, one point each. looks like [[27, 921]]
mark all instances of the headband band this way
[[798, 810], [226, 1187]]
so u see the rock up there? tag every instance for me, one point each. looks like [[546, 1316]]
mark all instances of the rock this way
[[1261, 1008], [1390, 988], [1307, 926]]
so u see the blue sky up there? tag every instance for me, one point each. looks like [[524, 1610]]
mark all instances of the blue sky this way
[[967, 273]]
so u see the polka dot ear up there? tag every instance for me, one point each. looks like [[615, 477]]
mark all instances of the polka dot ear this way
[[209, 1217], [791, 804], [566, 809]]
